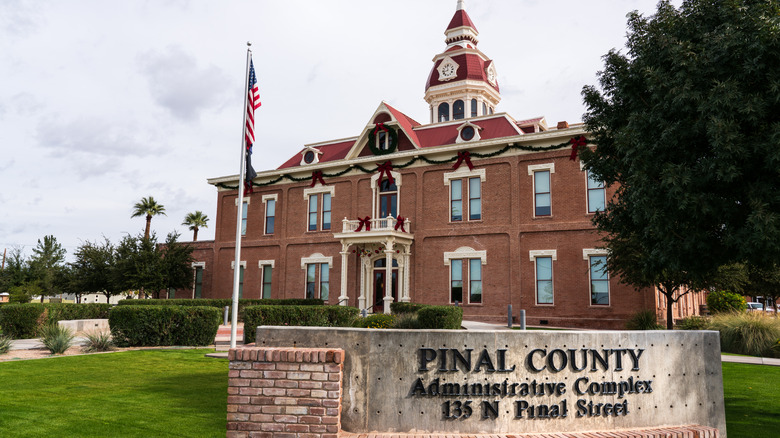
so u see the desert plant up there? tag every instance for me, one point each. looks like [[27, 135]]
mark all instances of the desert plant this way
[[747, 333], [406, 321], [724, 301], [376, 321], [56, 338], [693, 322], [97, 340], [644, 320], [5, 344]]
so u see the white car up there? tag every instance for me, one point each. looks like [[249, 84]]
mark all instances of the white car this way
[[758, 307]]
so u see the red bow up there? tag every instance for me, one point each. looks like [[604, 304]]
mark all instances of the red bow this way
[[378, 127], [248, 187], [385, 168], [364, 221], [399, 222], [316, 176], [576, 143], [463, 156]]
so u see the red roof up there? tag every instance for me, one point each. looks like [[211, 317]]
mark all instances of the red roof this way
[[407, 123], [330, 152], [461, 18], [470, 66], [495, 127]]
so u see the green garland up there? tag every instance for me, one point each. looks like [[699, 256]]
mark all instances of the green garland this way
[[410, 162], [391, 147]]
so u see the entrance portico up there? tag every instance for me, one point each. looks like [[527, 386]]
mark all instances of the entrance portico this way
[[384, 250]]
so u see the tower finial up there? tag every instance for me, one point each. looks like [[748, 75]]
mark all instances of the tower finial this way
[[461, 5]]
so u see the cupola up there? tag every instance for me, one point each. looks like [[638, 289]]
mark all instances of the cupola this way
[[462, 83]]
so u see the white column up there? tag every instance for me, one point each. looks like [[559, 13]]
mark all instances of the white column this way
[[362, 298], [343, 298], [388, 275], [407, 267]]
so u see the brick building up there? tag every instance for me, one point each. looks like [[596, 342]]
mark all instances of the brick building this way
[[474, 207]]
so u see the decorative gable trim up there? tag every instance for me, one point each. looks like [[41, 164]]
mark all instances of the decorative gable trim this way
[[465, 252]]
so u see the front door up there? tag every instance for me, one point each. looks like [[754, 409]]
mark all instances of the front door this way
[[379, 284]]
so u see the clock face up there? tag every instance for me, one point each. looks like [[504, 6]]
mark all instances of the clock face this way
[[491, 75], [448, 71]]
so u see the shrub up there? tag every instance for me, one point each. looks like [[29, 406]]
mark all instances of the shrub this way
[[97, 341], [224, 302], [322, 316], [376, 321], [399, 308], [644, 320], [163, 325], [440, 317], [407, 321], [56, 339], [5, 344], [693, 323], [69, 311], [747, 332], [20, 321], [724, 301]]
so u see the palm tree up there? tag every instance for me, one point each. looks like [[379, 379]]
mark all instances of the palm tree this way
[[149, 207], [196, 221]]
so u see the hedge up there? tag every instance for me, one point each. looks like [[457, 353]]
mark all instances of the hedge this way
[[22, 321], [399, 308], [317, 316], [440, 317], [148, 326], [223, 302]]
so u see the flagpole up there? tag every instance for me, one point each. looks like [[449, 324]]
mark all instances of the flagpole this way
[[240, 207]]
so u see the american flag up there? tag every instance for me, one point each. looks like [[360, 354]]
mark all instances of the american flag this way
[[252, 103]]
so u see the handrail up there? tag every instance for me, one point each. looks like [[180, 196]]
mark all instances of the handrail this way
[[380, 224]]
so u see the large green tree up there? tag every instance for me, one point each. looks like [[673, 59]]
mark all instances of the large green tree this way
[[93, 270], [176, 263], [148, 207], [47, 260], [196, 221], [686, 126], [16, 270]]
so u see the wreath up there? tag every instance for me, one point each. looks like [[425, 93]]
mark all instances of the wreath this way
[[391, 146]]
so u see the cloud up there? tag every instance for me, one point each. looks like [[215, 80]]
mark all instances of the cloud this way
[[93, 136], [19, 18], [178, 84]]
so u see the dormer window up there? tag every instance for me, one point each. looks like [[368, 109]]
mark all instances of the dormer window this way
[[458, 110], [310, 155], [383, 141], [468, 132]]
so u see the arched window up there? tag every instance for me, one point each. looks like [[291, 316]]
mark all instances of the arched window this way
[[458, 110], [388, 199], [484, 109], [473, 107], [491, 110], [444, 112]]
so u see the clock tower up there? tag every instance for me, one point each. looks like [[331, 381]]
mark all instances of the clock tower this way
[[463, 82]]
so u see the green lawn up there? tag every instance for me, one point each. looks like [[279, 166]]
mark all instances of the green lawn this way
[[151, 393], [157, 393]]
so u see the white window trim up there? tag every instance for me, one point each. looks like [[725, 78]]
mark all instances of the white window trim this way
[[537, 167], [587, 193], [198, 265], [543, 253], [586, 255], [262, 263], [247, 199], [274, 197], [465, 252], [587, 252], [464, 172], [316, 258], [242, 263], [317, 190], [532, 169], [375, 192]]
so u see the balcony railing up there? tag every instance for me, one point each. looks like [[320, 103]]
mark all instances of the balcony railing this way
[[384, 224]]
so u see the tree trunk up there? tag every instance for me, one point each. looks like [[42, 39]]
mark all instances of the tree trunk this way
[[148, 226], [669, 317], [195, 235]]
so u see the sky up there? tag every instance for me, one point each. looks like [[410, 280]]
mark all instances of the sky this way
[[104, 102]]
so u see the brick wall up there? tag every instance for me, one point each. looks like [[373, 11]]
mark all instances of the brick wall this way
[[284, 392]]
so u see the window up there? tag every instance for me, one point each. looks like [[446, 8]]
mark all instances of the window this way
[[473, 107], [242, 266], [599, 281], [382, 141], [474, 199], [458, 110], [266, 277], [317, 286], [544, 283], [484, 109], [465, 274], [465, 187], [542, 193], [197, 283], [319, 207], [543, 268], [444, 112], [244, 209], [596, 194], [388, 199], [270, 213]]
